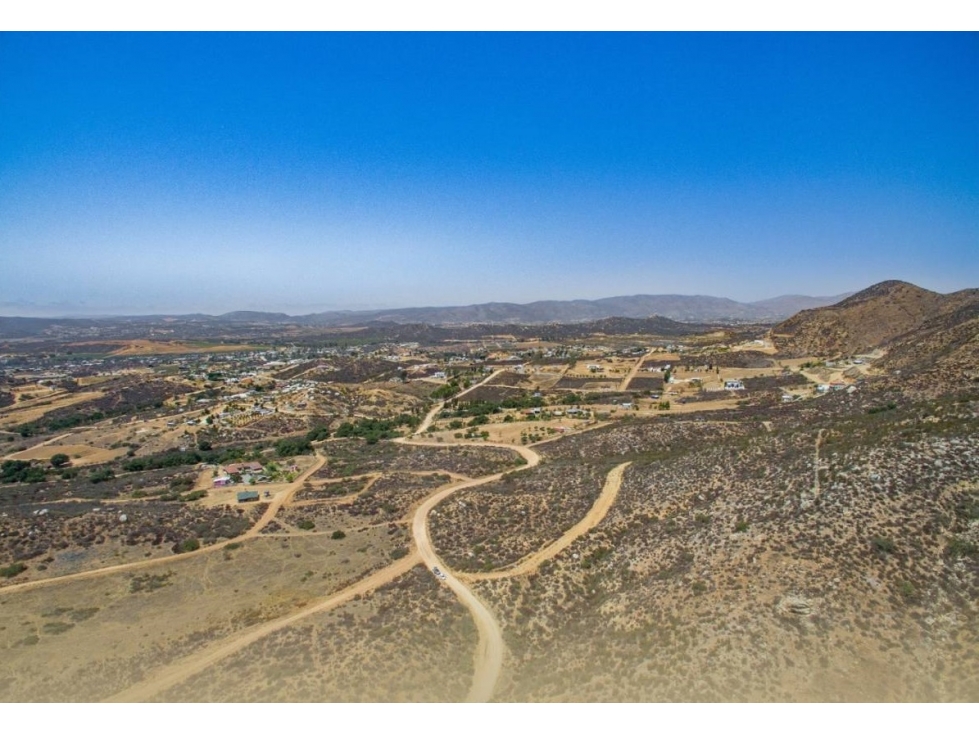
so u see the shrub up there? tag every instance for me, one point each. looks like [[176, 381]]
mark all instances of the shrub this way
[[56, 628], [187, 546], [305, 524], [293, 447], [907, 590], [884, 545], [59, 460], [101, 475], [957, 547], [319, 433], [741, 526], [8, 572], [338, 535]]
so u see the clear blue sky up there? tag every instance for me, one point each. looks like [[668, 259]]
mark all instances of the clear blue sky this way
[[170, 173]]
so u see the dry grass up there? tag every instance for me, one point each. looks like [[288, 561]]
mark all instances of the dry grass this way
[[206, 599], [408, 641]]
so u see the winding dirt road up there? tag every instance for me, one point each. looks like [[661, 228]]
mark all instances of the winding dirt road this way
[[488, 656], [613, 482]]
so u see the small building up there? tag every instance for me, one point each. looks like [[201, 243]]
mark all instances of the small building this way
[[251, 467], [248, 496], [733, 385], [222, 481]]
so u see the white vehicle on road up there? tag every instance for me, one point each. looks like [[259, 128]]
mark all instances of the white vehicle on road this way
[[438, 572]]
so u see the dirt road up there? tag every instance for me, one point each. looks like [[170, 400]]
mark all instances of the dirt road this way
[[430, 416], [489, 653], [531, 563], [632, 373], [488, 658], [185, 668]]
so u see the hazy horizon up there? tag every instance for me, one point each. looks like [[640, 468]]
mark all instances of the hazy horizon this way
[[56, 311], [171, 173]]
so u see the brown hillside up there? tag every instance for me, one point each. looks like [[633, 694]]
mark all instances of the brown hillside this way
[[940, 355], [872, 318]]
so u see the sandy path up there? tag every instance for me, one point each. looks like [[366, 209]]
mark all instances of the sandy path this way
[[528, 453], [254, 530], [613, 482], [488, 657], [183, 669]]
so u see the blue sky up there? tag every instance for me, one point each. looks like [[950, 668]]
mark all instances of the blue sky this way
[[171, 173]]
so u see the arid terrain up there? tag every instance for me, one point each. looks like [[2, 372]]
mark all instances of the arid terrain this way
[[770, 512]]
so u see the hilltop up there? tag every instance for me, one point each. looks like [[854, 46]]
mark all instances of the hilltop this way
[[889, 312]]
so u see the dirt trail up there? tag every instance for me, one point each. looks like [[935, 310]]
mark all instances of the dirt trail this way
[[815, 463], [632, 373], [531, 456], [613, 482], [488, 658], [183, 669], [254, 530], [430, 416]]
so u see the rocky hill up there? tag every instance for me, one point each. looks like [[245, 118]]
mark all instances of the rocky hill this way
[[888, 314], [942, 354]]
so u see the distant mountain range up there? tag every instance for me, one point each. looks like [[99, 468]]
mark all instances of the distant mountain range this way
[[672, 308], [689, 309]]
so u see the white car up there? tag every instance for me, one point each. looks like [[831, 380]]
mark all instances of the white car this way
[[438, 572]]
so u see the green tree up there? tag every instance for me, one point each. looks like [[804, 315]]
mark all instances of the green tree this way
[[59, 460]]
